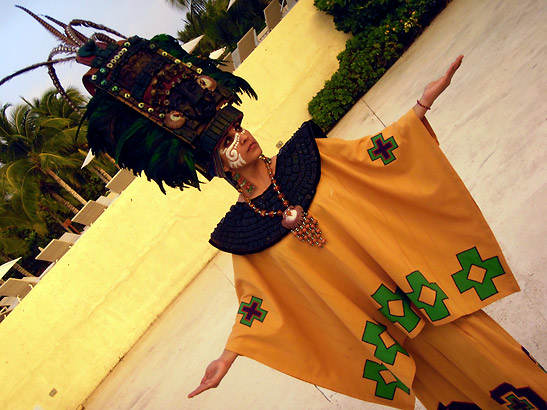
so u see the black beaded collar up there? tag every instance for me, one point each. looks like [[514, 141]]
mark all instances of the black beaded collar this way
[[298, 171]]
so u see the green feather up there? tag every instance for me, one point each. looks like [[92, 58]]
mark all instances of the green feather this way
[[139, 144]]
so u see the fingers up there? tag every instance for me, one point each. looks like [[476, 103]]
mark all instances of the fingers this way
[[454, 67], [210, 380], [458, 61], [207, 382], [200, 389], [215, 372]]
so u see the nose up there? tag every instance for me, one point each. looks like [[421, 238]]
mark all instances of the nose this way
[[243, 136]]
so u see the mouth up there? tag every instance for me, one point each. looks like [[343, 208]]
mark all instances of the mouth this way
[[251, 146]]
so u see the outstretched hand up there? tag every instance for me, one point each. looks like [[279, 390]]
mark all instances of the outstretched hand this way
[[215, 372], [435, 88]]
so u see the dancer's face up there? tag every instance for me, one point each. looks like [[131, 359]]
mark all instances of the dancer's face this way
[[238, 148]]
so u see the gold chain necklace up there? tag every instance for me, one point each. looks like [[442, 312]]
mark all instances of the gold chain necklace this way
[[300, 223]]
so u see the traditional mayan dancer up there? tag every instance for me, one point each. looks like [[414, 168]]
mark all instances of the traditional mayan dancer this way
[[361, 266], [378, 293]]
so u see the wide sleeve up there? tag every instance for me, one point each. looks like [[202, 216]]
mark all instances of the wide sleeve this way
[[416, 218], [284, 322]]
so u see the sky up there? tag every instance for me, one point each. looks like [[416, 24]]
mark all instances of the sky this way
[[24, 42]]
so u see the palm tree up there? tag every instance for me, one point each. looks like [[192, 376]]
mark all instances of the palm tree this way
[[63, 202], [13, 246], [10, 244], [31, 152], [41, 152], [12, 214], [39, 144], [222, 27], [55, 118], [195, 7]]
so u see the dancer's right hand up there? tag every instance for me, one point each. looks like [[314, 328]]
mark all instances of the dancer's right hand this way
[[215, 372]]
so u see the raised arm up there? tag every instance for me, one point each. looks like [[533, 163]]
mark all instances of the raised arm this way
[[435, 88], [215, 372]]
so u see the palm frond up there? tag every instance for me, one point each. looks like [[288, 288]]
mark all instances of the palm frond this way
[[30, 192]]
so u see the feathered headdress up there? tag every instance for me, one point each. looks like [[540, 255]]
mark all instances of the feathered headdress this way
[[155, 108]]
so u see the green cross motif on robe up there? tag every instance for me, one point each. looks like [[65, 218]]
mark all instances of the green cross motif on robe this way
[[386, 381], [386, 347], [427, 296], [383, 149], [252, 311], [477, 274], [396, 307]]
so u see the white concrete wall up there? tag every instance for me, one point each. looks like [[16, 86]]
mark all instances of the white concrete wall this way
[[100, 298]]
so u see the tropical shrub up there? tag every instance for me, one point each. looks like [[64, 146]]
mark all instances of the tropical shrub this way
[[357, 16], [382, 29]]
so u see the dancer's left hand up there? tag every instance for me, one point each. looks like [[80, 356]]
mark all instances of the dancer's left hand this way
[[435, 88]]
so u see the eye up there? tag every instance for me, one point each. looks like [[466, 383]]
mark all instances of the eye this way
[[228, 141], [238, 128]]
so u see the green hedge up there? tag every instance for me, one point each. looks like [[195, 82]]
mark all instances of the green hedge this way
[[382, 30], [355, 16]]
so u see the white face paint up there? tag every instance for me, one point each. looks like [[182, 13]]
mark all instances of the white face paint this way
[[234, 158]]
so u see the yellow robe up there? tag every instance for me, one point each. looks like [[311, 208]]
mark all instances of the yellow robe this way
[[406, 244]]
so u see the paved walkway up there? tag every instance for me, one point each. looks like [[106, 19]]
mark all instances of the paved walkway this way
[[492, 125]]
